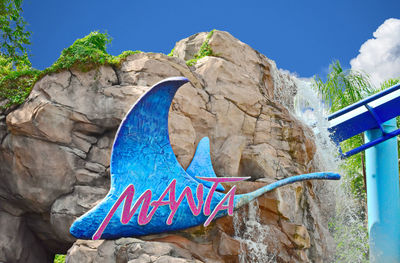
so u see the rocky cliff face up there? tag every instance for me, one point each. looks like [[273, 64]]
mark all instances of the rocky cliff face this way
[[55, 152]]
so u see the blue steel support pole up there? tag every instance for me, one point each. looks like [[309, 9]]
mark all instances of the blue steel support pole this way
[[383, 196]]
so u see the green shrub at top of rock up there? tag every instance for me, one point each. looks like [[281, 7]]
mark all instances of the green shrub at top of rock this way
[[84, 54], [205, 50], [171, 54], [88, 53], [15, 82]]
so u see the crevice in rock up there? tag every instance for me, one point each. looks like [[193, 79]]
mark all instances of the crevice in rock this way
[[46, 95], [117, 75], [81, 154], [11, 109], [2, 139], [26, 167], [240, 108], [61, 196], [70, 78], [184, 70]]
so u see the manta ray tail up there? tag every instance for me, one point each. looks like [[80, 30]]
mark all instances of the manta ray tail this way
[[243, 199]]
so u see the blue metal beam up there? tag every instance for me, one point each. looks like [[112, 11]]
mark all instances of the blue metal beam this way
[[383, 196], [364, 101], [360, 119], [370, 144]]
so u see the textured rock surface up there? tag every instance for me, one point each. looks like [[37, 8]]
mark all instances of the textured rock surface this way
[[18, 243], [128, 250], [55, 151]]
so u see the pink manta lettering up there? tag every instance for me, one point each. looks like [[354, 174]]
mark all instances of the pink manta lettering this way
[[144, 217]]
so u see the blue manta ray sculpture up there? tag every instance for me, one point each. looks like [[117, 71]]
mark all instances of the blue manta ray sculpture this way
[[156, 192]]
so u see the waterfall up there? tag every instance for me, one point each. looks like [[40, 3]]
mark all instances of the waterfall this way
[[347, 226], [252, 235]]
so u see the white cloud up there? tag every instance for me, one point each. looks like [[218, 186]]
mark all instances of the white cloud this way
[[380, 56]]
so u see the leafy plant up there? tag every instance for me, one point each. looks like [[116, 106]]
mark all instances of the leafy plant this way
[[171, 54], [205, 50], [88, 53], [341, 89], [14, 36], [84, 54], [58, 258], [15, 82]]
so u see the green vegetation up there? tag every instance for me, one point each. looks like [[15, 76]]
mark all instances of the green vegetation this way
[[14, 37], [84, 54], [58, 258], [88, 53], [16, 74], [15, 83], [205, 50], [350, 234], [17, 77], [171, 54], [341, 89]]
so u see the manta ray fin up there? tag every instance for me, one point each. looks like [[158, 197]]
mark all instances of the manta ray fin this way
[[201, 165]]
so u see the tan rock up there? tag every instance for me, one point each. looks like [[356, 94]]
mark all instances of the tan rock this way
[[127, 250], [229, 81], [228, 246], [298, 234], [204, 252], [259, 161], [188, 47], [37, 167], [101, 156], [229, 155], [55, 152], [182, 136]]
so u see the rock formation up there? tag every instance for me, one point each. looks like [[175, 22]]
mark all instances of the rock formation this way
[[55, 152]]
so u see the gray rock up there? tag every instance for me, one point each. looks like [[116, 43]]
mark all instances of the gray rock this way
[[17, 243]]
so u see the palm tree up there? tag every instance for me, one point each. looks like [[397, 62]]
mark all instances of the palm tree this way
[[341, 89]]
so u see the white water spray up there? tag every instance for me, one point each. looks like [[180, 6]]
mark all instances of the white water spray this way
[[252, 234], [348, 226]]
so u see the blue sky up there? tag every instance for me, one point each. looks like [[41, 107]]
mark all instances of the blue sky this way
[[301, 36]]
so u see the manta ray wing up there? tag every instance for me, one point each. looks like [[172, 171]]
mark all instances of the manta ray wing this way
[[201, 165], [142, 156]]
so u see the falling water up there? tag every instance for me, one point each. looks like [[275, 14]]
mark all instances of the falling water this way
[[347, 226], [251, 235]]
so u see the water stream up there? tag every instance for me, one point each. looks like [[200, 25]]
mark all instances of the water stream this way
[[251, 235], [347, 225]]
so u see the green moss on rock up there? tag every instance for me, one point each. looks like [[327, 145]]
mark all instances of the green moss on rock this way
[[58, 258], [205, 50], [171, 54], [84, 54]]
